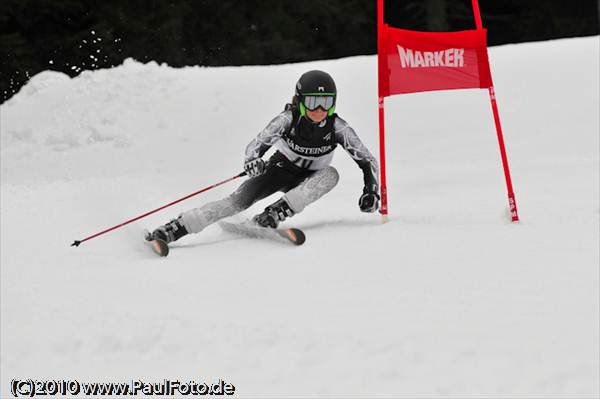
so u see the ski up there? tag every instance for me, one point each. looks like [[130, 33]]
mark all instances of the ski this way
[[250, 229], [158, 246]]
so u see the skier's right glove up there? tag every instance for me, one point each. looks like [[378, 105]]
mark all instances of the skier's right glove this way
[[369, 200], [255, 167]]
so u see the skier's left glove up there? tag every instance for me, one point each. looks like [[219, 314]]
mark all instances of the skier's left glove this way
[[255, 167], [369, 200]]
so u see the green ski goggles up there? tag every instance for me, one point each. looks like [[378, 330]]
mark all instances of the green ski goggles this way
[[313, 102]]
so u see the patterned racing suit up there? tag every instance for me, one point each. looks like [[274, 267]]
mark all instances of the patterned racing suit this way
[[300, 167]]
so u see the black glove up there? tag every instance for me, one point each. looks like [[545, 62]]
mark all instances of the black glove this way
[[369, 200], [255, 167]]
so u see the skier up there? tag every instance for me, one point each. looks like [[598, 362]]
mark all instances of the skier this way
[[305, 135]]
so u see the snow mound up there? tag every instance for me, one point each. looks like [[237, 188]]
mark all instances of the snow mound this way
[[43, 81]]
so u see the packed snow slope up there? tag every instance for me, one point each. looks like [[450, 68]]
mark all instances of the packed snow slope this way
[[447, 299]]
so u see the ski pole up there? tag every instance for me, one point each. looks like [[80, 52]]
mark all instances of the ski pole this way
[[77, 242]]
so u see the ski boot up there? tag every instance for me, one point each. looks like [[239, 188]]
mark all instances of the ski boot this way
[[273, 214], [170, 232]]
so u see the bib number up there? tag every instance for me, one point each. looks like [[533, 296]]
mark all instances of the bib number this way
[[303, 163]]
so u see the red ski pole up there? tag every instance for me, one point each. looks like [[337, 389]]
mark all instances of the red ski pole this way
[[77, 242]]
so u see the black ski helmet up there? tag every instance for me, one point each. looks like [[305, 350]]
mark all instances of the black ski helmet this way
[[315, 83]]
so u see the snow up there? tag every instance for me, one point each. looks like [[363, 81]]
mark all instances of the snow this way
[[447, 299]]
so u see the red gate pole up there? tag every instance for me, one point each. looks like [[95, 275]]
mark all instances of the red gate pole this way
[[384, 203], [381, 53], [512, 203]]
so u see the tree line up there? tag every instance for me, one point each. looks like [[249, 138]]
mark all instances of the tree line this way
[[75, 35]]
